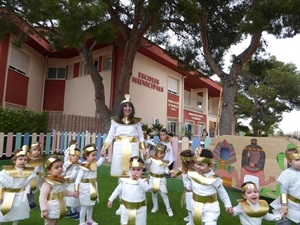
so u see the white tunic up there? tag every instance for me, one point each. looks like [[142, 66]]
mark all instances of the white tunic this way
[[130, 130], [169, 156], [20, 200], [71, 171], [247, 220], [210, 211], [188, 195], [84, 188], [158, 169], [290, 179], [132, 191]]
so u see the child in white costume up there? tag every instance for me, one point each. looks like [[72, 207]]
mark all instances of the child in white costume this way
[[70, 171], [53, 192], [66, 152], [205, 186], [86, 183], [288, 204], [166, 140], [133, 207], [157, 182], [15, 183], [252, 210], [126, 132], [36, 160], [187, 161]]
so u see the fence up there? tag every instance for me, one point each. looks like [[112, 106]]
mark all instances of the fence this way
[[59, 121]]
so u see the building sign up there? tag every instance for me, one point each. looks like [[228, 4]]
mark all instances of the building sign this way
[[173, 106], [196, 117], [147, 81]]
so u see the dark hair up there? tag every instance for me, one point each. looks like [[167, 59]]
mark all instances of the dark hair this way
[[247, 182], [57, 159], [139, 159], [186, 165], [164, 130], [121, 112], [72, 142], [206, 153], [86, 154]]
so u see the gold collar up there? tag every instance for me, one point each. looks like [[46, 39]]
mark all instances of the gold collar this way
[[55, 180], [89, 166], [263, 208], [125, 120], [13, 172]]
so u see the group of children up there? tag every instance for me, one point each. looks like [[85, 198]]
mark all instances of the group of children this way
[[74, 184]]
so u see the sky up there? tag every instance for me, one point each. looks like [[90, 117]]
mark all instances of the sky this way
[[285, 50]]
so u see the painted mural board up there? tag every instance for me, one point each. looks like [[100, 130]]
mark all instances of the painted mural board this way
[[237, 160]]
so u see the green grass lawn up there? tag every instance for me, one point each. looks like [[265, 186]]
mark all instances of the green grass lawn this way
[[106, 216]]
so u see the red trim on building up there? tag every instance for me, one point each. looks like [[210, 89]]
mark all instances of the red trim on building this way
[[173, 105], [194, 116], [16, 88], [76, 70], [54, 95], [4, 45]]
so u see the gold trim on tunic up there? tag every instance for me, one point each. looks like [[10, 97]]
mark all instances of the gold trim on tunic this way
[[9, 198], [93, 189], [263, 208], [199, 201], [132, 207], [60, 196]]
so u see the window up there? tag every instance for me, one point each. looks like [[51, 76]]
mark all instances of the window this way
[[187, 98], [173, 85], [172, 127], [106, 62], [19, 61], [56, 73]]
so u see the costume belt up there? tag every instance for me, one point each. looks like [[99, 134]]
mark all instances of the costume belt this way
[[293, 198], [9, 198], [126, 151], [93, 188], [132, 207], [182, 199], [60, 196], [199, 201], [156, 181]]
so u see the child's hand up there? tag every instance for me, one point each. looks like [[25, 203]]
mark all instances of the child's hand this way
[[103, 152], [76, 194], [145, 153], [45, 214], [284, 211], [109, 204], [229, 210]]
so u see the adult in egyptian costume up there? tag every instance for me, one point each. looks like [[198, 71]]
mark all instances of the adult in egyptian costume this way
[[126, 132], [15, 183]]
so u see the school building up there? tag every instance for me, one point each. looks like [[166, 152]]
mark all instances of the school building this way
[[38, 78]]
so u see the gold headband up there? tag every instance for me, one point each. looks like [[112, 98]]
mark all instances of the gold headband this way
[[161, 149], [136, 163], [23, 152], [200, 159], [292, 156], [37, 144], [73, 151], [127, 98], [249, 186], [49, 161], [186, 158], [90, 149]]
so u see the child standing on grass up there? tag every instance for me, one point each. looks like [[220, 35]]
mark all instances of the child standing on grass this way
[[14, 185], [70, 171], [252, 210], [157, 182], [289, 180], [133, 207], [205, 186], [187, 161], [86, 183], [169, 155], [53, 191], [36, 160]]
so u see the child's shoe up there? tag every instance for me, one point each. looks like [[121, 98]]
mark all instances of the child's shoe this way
[[82, 224], [186, 219], [91, 222], [170, 212], [118, 211], [32, 205], [77, 216], [154, 209], [70, 214]]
